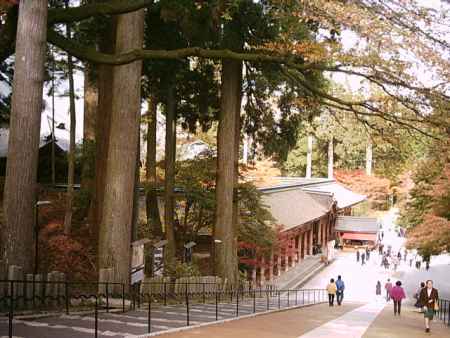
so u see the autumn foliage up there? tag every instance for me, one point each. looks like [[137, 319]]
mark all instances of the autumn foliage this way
[[377, 189]]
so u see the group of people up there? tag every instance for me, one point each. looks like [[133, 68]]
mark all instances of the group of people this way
[[363, 254], [336, 289], [427, 298]]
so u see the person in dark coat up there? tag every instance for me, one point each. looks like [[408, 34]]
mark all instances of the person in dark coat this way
[[378, 288], [357, 255], [428, 299]]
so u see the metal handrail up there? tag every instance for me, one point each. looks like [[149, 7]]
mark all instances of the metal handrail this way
[[100, 301]]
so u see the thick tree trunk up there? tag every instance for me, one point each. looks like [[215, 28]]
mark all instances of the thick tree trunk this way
[[369, 157], [309, 157], [137, 181], [71, 154], [331, 158], [169, 174], [89, 120], [224, 229], [153, 217], [53, 159], [26, 107], [103, 122], [115, 228]]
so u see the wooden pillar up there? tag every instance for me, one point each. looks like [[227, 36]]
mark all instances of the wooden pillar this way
[[310, 241], [254, 276], [262, 272], [303, 246]]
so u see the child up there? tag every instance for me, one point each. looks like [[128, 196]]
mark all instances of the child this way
[[331, 288]]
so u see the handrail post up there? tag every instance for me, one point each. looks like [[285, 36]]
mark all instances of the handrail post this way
[[107, 297], [66, 292], [237, 303], [279, 299], [96, 317], [123, 297], [11, 310], [296, 291], [187, 304], [288, 303], [149, 316], [204, 297], [267, 295], [165, 293], [217, 306], [254, 301]]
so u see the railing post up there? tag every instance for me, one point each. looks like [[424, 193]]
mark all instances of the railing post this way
[[217, 306], [254, 301], [296, 291], [149, 316], [96, 317], [204, 296], [66, 292], [303, 297], [11, 310], [187, 304], [279, 299], [267, 295], [314, 296], [288, 303], [107, 297], [165, 293], [237, 303], [123, 297]]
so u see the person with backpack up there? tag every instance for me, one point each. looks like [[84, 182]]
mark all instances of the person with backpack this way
[[331, 289], [397, 294], [340, 286]]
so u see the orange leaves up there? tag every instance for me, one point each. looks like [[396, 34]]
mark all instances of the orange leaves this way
[[310, 51]]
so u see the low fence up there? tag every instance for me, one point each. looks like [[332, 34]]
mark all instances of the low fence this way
[[92, 298], [444, 311]]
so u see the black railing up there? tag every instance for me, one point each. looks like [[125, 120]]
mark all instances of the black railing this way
[[17, 297], [443, 313]]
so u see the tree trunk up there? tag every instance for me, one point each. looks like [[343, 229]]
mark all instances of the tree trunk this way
[[153, 217], [330, 158], [53, 159], [71, 154], [224, 229], [89, 120], [309, 157], [23, 149], [369, 157], [103, 123], [169, 175], [137, 181], [115, 228]]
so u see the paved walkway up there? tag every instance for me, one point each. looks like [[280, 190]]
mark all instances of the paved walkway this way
[[352, 320]]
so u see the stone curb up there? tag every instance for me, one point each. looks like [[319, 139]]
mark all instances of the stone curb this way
[[223, 321]]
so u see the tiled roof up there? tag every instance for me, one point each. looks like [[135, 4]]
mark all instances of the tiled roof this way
[[292, 207], [344, 197], [357, 224]]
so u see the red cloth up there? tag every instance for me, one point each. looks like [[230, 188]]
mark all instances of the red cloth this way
[[397, 293]]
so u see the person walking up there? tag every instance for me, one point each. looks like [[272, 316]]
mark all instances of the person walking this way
[[367, 254], [340, 285], [363, 258], [388, 288], [357, 255], [331, 289], [417, 295], [378, 288], [428, 299], [397, 294]]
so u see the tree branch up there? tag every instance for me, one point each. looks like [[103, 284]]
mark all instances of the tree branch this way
[[72, 14]]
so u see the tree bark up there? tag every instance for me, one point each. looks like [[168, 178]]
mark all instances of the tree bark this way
[[89, 121], [115, 228], [107, 42], [169, 174], [224, 229], [71, 154], [331, 158], [153, 216], [137, 181], [23, 149]]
